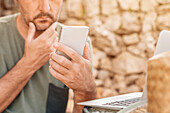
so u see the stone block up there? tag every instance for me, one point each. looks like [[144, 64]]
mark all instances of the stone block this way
[[130, 5], [109, 7]]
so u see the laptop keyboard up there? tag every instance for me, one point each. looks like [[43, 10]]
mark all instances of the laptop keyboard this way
[[124, 102]]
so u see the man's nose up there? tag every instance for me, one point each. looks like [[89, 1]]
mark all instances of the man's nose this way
[[44, 5]]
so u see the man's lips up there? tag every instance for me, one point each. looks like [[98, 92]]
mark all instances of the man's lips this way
[[44, 18]]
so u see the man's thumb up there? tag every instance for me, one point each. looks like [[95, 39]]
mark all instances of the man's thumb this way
[[31, 32], [87, 53]]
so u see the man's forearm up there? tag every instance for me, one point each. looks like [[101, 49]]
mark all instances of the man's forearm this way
[[13, 82], [80, 97]]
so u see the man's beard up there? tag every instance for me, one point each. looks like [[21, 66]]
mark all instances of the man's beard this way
[[50, 22], [50, 16], [40, 15]]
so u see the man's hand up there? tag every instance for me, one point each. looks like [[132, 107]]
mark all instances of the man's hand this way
[[37, 50], [75, 74]]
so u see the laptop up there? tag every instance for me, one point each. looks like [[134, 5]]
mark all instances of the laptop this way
[[132, 99]]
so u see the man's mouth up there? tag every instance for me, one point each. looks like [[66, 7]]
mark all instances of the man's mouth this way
[[43, 19]]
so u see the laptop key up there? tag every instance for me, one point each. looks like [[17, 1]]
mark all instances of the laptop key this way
[[124, 102]]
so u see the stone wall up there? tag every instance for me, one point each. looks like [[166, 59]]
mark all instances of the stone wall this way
[[124, 34]]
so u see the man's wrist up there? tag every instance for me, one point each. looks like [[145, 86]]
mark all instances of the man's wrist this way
[[80, 96], [27, 66], [85, 96]]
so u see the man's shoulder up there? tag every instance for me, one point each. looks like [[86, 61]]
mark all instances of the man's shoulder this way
[[6, 24], [7, 19], [3, 21]]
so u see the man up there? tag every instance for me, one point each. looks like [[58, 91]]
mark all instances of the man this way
[[27, 40]]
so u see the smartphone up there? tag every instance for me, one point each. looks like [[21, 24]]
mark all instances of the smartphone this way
[[74, 37]]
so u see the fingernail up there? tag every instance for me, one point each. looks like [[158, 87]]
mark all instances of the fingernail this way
[[31, 25]]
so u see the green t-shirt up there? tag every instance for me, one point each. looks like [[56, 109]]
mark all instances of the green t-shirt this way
[[43, 93]]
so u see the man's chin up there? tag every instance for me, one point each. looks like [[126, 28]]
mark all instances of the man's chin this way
[[42, 27]]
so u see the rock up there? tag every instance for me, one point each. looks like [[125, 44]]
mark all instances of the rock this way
[[149, 42], [107, 46], [107, 41], [131, 79], [119, 78], [99, 92], [95, 73], [163, 21], [141, 81], [63, 15], [6, 12], [108, 83], [163, 1], [116, 44], [162, 9], [119, 86], [131, 39], [75, 8], [126, 63], [106, 64], [130, 89], [95, 21], [148, 5], [1, 10], [138, 50], [98, 55], [95, 62], [108, 7], [91, 7], [108, 93], [94, 24], [99, 82], [118, 82], [129, 4], [75, 22], [113, 23], [146, 46], [149, 22], [131, 22], [8, 4], [103, 74]]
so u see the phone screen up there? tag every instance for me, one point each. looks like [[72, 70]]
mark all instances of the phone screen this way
[[74, 37]]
